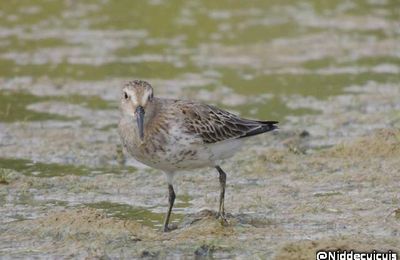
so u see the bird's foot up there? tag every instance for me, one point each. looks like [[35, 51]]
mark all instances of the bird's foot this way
[[170, 227], [222, 219]]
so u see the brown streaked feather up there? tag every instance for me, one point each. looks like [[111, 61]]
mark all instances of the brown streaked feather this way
[[214, 125]]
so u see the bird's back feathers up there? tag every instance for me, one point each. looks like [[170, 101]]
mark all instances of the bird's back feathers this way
[[214, 125]]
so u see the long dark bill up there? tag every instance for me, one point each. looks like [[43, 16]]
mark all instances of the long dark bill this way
[[140, 121]]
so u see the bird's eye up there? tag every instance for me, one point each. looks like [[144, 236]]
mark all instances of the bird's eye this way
[[126, 95]]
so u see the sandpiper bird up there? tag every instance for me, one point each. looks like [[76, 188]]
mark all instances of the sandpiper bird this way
[[173, 135]]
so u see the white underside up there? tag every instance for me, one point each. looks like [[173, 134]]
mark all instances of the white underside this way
[[225, 149], [208, 156]]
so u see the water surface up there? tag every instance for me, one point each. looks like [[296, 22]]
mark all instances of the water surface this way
[[63, 63]]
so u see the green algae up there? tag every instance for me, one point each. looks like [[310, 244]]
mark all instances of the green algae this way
[[177, 45], [13, 106], [38, 169], [3, 178], [92, 102], [145, 216], [139, 214]]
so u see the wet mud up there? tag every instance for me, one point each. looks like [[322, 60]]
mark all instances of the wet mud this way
[[327, 179], [286, 198]]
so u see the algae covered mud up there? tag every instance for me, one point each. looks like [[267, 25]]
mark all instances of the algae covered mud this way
[[328, 71]]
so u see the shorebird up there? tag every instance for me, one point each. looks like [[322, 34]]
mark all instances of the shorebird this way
[[173, 135]]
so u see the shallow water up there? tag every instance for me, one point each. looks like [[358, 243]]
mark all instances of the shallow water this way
[[62, 64]]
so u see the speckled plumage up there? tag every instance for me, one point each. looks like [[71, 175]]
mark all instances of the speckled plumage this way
[[179, 134], [185, 130]]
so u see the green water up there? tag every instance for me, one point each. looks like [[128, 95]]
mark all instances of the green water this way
[[13, 106], [143, 215], [100, 40], [37, 169], [262, 53]]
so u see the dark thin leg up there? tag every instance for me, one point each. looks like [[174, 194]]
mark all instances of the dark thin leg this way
[[222, 183], [171, 200]]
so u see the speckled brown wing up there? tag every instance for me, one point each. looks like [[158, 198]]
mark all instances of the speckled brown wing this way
[[214, 125]]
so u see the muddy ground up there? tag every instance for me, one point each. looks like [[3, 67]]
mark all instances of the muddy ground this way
[[327, 179], [323, 181]]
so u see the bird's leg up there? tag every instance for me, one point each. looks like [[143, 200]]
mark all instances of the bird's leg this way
[[222, 183], [171, 200]]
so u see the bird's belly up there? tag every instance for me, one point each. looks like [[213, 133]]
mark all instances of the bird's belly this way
[[178, 157], [224, 149]]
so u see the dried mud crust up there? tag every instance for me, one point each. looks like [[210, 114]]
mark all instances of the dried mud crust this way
[[333, 183], [342, 197], [87, 232], [384, 143], [284, 203], [83, 232]]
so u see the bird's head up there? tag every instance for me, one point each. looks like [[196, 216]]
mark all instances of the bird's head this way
[[137, 95]]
